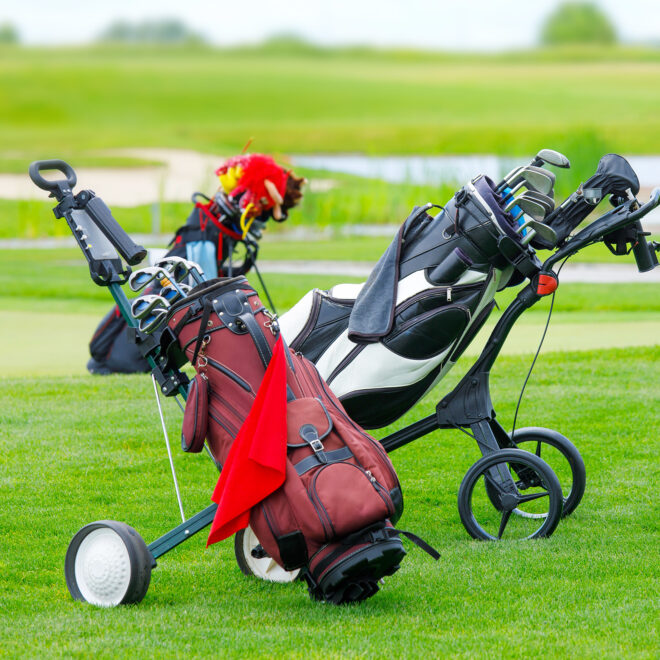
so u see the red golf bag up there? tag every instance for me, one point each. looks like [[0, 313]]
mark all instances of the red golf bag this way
[[332, 515]]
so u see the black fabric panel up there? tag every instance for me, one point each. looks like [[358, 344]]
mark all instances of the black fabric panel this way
[[472, 332], [425, 336], [373, 409], [331, 321]]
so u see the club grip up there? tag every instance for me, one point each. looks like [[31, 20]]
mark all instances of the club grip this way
[[102, 217], [55, 164]]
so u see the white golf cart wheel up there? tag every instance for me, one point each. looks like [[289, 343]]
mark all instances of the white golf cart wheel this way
[[265, 568], [108, 564]]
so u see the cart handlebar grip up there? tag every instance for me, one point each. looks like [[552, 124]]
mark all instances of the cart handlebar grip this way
[[57, 188], [98, 210]]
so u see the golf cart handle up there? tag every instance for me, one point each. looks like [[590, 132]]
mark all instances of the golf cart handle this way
[[102, 217], [621, 216], [56, 188]]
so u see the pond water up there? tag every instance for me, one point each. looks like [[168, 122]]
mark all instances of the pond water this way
[[444, 169]]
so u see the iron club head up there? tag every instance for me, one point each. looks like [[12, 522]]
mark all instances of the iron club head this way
[[144, 305], [153, 321], [547, 234], [545, 200], [141, 278], [173, 293], [527, 206], [533, 178], [180, 268]]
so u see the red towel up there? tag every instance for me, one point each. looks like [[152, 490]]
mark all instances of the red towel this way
[[256, 463]]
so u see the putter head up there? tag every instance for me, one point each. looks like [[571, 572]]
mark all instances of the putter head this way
[[552, 157], [153, 321], [143, 306]]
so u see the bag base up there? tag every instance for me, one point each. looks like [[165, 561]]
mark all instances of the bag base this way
[[353, 575]]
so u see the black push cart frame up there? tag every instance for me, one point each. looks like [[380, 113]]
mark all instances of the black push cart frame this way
[[467, 407]]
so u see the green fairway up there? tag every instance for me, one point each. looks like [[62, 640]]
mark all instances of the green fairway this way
[[50, 308], [78, 449], [73, 101]]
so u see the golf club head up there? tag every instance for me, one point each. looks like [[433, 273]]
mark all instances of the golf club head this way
[[180, 268], [527, 206], [534, 178], [172, 294], [545, 200], [153, 321], [141, 307], [543, 231], [141, 278], [551, 157]]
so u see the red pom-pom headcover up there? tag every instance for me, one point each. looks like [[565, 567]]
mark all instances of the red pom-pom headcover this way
[[248, 176]]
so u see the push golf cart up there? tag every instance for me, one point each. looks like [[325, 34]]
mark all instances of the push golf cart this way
[[508, 493]]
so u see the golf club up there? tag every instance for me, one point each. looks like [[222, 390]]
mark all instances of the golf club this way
[[534, 178], [180, 268], [144, 305], [172, 294], [538, 228], [527, 206], [548, 156], [551, 157], [545, 200], [153, 321]]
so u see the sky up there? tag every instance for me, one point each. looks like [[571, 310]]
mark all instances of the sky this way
[[473, 25]]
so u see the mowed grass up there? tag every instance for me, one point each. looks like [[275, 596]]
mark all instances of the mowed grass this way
[[74, 101], [78, 449], [50, 308]]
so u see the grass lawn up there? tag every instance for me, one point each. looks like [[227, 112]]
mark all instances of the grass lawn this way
[[74, 448], [78, 100], [77, 449]]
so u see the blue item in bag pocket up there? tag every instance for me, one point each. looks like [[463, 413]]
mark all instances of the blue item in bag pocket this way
[[204, 254]]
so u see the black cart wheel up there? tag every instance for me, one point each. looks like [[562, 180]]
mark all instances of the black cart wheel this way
[[107, 564], [253, 560], [562, 456], [510, 494]]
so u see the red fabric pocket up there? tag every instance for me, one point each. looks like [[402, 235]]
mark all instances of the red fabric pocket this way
[[195, 416]]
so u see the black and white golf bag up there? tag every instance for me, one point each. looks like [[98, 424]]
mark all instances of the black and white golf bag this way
[[383, 344]]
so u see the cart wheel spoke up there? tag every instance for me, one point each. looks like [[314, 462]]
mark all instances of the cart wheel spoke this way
[[505, 519], [538, 449], [532, 496]]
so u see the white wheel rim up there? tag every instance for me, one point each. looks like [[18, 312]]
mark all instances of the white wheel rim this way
[[265, 568], [103, 568]]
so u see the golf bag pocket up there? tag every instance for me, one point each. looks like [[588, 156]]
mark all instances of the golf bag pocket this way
[[196, 415]]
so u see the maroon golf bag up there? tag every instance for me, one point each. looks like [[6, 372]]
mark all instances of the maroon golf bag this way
[[332, 517]]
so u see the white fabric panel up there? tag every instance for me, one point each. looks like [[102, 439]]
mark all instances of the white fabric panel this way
[[334, 354], [346, 291], [377, 367], [414, 283], [292, 322], [470, 277]]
